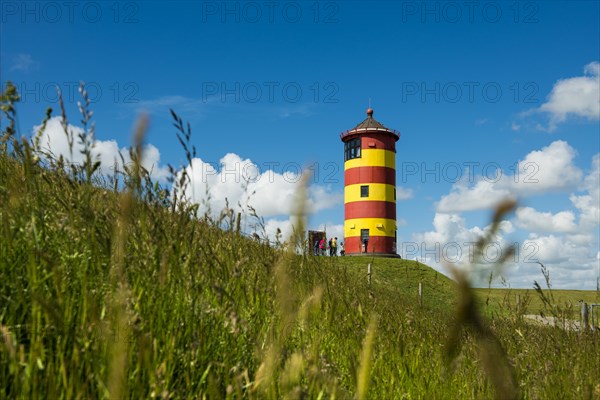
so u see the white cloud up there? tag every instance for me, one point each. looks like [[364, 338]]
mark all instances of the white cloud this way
[[181, 104], [571, 258], [484, 194], [535, 221], [403, 193], [54, 141], [566, 241], [550, 169], [569, 247], [333, 230], [285, 227], [240, 184], [453, 242], [578, 96], [295, 110], [589, 204], [22, 62], [571, 264]]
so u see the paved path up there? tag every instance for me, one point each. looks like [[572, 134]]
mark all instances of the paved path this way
[[552, 321]]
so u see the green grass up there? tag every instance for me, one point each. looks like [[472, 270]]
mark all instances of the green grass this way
[[505, 300], [402, 278], [119, 291]]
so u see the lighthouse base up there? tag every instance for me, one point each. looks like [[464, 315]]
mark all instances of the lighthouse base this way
[[376, 245], [385, 255]]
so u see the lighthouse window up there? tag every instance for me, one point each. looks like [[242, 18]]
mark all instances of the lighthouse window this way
[[352, 149], [364, 191]]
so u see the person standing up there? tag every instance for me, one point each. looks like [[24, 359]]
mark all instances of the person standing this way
[[342, 251], [334, 247], [330, 248], [322, 246]]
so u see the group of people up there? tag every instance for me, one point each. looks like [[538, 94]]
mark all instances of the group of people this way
[[321, 247]]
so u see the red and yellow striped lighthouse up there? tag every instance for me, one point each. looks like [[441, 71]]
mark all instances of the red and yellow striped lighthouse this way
[[370, 188]]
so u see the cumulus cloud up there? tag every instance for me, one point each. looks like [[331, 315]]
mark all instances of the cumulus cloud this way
[[550, 169], [279, 229], [235, 182], [589, 204], [241, 185], [571, 258], [571, 263], [578, 96], [403, 193], [451, 241], [566, 242], [484, 194], [534, 221], [54, 141]]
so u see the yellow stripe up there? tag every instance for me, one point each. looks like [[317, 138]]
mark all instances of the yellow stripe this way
[[377, 191], [373, 158], [352, 227]]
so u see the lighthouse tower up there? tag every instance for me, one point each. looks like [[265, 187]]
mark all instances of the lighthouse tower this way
[[370, 188]]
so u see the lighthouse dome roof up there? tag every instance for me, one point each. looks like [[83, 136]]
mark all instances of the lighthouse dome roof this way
[[370, 124]]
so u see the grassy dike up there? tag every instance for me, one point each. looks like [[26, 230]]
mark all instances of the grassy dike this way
[[119, 291]]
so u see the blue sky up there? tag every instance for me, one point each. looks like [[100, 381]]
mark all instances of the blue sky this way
[[472, 87]]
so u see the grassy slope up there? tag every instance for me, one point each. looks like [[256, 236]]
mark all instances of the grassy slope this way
[[104, 295], [403, 277]]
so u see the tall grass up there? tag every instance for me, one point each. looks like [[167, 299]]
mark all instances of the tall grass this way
[[116, 288]]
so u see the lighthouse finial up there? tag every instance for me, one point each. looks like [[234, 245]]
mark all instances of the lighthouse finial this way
[[369, 110]]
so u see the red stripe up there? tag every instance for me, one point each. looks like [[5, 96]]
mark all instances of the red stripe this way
[[377, 244], [370, 209], [370, 175], [378, 141]]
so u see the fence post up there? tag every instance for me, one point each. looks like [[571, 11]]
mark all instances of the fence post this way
[[369, 273], [518, 303], [584, 316], [420, 294]]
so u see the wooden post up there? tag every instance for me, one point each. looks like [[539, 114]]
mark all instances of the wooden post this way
[[584, 316], [369, 273], [420, 294], [518, 303]]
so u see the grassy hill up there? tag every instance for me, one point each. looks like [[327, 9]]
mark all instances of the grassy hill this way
[[402, 278], [119, 291]]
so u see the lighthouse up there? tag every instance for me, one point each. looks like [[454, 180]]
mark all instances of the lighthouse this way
[[370, 188]]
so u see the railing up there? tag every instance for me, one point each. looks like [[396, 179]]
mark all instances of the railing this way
[[363, 130]]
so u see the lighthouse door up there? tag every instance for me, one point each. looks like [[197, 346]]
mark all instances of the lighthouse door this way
[[364, 240], [364, 235]]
